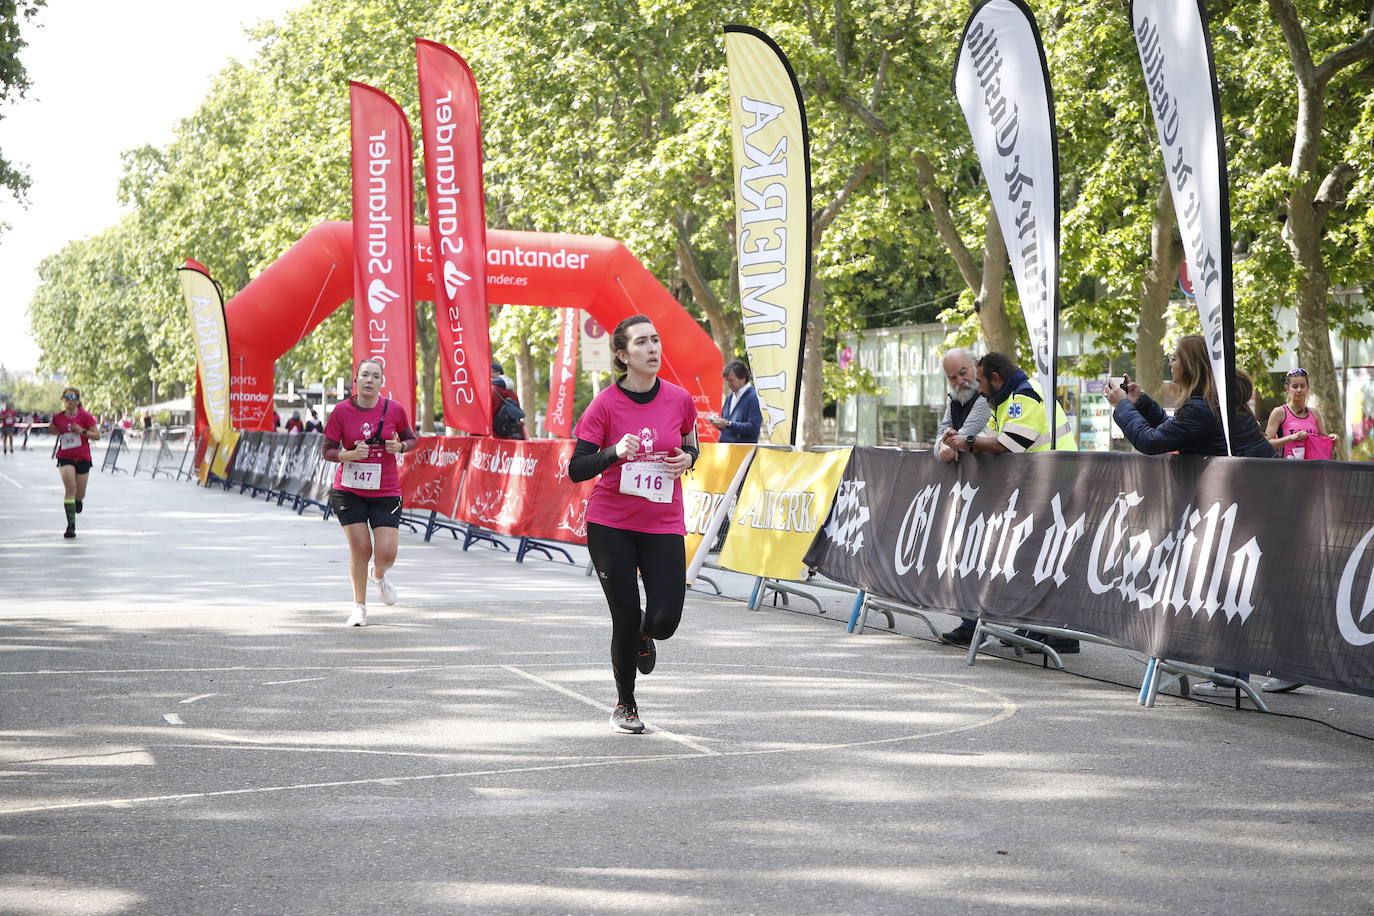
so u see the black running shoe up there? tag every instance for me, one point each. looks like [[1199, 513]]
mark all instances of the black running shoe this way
[[70, 532], [626, 719], [78, 507], [648, 655]]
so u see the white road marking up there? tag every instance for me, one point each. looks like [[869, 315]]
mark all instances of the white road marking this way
[[172, 718], [299, 680], [1008, 710], [12, 480], [596, 704], [203, 696]]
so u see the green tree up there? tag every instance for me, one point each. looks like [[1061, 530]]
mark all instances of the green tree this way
[[14, 78]]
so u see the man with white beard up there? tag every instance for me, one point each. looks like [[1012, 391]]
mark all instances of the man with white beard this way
[[966, 411]]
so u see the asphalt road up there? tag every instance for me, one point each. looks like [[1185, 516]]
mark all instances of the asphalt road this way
[[186, 726]]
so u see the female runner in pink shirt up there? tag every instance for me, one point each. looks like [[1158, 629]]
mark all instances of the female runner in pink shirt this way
[[640, 436], [1294, 427], [367, 490], [75, 430]]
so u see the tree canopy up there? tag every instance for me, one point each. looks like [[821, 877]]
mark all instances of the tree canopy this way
[[610, 117]]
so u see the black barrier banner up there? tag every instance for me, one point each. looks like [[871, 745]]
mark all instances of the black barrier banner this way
[[1241, 563], [304, 461]]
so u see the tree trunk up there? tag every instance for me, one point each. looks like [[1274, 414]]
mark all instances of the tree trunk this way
[[1308, 206], [525, 385], [726, 328], [991, 304], [428, 339], [1166, 254], [810, 425], [987, 281]]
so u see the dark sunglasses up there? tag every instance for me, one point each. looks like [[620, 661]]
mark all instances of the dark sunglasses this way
[[71, 397], [1297, 372]]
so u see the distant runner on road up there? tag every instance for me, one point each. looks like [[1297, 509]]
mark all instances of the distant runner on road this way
[[9, 423], [366, 495], [640, 436], [75, 430]]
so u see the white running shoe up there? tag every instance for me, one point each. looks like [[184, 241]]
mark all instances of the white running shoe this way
[[359, 616], [1212, 689], [385, 589]]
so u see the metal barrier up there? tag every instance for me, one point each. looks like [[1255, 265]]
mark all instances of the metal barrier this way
[[115, 447]]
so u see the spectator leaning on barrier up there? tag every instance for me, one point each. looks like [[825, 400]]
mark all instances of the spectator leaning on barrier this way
[[1019, 423], [740, 418], [966, 413], [313, 425], [1194, 429]]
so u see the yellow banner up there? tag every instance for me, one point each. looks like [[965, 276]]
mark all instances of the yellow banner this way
[[783, 503], [206, 310], [706, 495], [224, 450], [772, 221]]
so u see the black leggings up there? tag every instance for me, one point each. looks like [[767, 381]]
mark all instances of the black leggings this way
[[661, 560]]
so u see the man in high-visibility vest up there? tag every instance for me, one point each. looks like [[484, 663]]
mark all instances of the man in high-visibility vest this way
[[1019, 423]]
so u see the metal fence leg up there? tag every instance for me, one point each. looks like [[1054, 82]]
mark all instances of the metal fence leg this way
[[857, 614], [1147, 684], [756, 597]]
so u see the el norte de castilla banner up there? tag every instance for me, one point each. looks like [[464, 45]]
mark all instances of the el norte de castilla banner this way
[[1186, 558], [772, 179]]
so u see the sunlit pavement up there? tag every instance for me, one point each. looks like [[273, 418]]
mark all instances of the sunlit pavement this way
[[186, 726]]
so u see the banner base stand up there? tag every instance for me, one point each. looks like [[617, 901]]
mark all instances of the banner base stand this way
[[545, 547], [986, 631], [435, 524], [473, 533], [708, 580], [858, 620], [1180, 672]]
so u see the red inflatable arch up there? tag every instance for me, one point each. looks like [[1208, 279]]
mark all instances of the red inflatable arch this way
[[300, 289]]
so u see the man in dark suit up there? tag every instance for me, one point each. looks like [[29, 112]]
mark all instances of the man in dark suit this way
[[740, 418]]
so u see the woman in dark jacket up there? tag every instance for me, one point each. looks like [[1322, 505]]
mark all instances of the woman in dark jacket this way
[[1194, 429]]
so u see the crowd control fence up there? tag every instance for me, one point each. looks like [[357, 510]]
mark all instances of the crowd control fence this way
[[1194, 562]]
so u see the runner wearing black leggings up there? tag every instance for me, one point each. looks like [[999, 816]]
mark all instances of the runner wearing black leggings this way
[[639, 435]]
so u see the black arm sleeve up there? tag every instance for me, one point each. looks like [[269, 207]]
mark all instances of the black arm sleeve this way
[[692, 446], [588, 461]]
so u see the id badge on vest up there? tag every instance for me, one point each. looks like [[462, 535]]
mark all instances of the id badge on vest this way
[[68, 441], [649, 480], [361, 475]]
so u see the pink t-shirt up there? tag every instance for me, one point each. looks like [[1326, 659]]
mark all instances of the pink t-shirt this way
[[78, 448], [348, 423], [661, 425]]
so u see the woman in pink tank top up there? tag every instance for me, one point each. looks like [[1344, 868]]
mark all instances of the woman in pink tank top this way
[[1294, 428]]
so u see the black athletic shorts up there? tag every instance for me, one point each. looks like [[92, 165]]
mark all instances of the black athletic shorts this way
[[82, 467], [377, 511]]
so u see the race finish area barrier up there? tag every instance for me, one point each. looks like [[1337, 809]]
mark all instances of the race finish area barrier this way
[[1191, 561], [114, 447]]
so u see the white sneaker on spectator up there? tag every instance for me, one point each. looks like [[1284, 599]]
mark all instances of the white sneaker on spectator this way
[[1212, 689], [385, 589], [1279, 685], [359, 616]]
